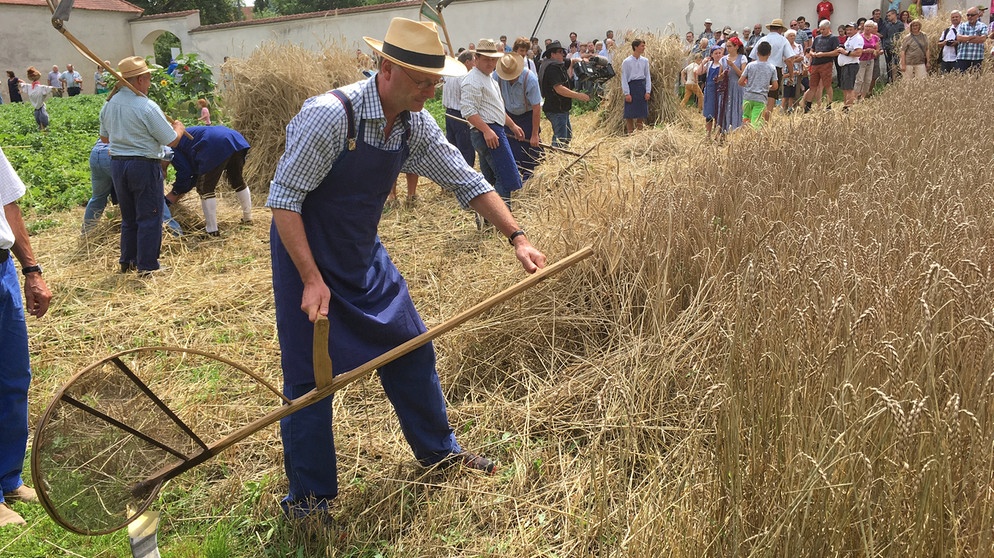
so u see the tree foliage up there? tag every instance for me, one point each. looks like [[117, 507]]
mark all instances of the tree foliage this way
[[288, 7], [211, 11]]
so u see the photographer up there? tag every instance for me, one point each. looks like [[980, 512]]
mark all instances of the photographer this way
[[948, 41]]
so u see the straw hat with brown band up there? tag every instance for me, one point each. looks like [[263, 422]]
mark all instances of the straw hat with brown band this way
[[415, 45], [510, 66]]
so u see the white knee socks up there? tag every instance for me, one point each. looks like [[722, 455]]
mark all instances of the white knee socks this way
[[210, 213], [245, 200]]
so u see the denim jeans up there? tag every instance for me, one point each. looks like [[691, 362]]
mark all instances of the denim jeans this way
[[15, 377], [101, 183], [562, 130], [497, 164], [139, 192]]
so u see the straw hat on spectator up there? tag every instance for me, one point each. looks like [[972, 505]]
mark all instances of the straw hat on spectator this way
[[489, 48], [510, 67], [775, 24]]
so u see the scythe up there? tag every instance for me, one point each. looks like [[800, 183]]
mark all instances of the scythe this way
[[114, 434], [60, 15]]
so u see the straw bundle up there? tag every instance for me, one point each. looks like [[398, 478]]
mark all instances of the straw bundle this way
[[666, 59], [268, 89]]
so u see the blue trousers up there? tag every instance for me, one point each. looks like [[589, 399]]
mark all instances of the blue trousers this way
[[457, 133], [15, 377], [102, 184], [410, 383], [138, 184], [524, 154], [497, 164], [562, 130]]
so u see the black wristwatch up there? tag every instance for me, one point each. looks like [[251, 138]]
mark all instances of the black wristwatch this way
[[514, 235], [31, 269]]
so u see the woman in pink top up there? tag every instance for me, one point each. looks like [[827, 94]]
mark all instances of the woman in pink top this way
[[871, 50]]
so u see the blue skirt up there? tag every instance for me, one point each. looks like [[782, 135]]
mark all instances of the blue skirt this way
[[639, 107]]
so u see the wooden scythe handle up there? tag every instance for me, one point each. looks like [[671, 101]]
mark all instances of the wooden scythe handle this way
[[344, 379], [61, 28]]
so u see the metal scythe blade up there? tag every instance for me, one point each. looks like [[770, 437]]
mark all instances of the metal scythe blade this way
[[61, 13], [142, 535]]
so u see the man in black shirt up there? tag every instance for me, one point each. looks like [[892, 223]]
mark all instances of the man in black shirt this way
[[554, 80], [823, 53]]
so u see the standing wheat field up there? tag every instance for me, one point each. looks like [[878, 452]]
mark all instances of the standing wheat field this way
[[782, 347]]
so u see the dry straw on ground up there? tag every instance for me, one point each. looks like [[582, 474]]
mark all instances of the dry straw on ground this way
[[782, 348]]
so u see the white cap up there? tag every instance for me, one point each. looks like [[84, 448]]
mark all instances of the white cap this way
[[708, 20]]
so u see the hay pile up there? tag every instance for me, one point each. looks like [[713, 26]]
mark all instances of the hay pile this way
[[666, 59], [267, 90]]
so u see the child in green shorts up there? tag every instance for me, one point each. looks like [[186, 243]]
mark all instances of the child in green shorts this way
[[758, 79]]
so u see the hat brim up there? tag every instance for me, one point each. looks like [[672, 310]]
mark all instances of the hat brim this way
[[497, 55], [510, 76], [130, 75], [450, 68]]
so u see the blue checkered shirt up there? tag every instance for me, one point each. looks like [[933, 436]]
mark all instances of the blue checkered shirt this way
[[971, 51], [317, 135]]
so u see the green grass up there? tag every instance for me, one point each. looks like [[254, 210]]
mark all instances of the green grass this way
[[54, 165]]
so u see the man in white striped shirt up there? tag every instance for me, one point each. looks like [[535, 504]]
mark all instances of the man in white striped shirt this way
[[483, 106], [457, 131]]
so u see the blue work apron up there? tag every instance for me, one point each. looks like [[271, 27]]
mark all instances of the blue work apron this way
[[371, 310]]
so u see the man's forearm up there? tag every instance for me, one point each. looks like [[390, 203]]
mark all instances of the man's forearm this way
[[22, 242], [477, 122], [290, 226]]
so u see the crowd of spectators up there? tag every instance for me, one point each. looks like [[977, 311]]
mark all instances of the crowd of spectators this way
[[810, 62]]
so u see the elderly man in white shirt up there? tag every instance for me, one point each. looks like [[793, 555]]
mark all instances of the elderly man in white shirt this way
[[483, 107], [456, 130], [781, 55]]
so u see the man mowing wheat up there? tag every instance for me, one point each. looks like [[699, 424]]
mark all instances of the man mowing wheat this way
[[344, 151]]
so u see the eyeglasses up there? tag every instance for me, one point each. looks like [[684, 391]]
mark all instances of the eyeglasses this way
[[972, 15], [423, 84]]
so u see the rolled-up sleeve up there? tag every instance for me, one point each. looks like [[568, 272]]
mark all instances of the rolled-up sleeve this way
[[315, 138], [435, 158]]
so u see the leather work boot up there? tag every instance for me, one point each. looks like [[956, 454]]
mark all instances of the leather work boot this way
[[23, 493], [9, 516]]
